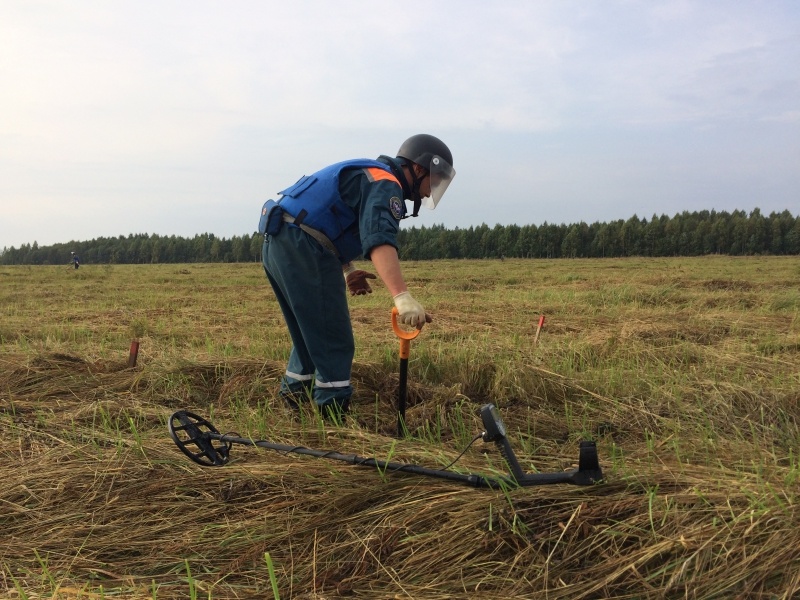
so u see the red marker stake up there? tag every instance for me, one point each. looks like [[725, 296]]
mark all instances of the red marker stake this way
[[538, 329], [134, 353]]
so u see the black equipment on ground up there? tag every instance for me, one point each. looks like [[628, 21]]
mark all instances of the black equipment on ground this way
[[204, 444]]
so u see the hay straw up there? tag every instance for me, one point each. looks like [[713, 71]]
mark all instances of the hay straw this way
[[85, 505]]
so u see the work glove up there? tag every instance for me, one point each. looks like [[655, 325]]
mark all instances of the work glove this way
[[357, 281], [410, 312]]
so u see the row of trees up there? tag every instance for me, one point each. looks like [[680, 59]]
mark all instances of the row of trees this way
[[141, 248], [685, 234]]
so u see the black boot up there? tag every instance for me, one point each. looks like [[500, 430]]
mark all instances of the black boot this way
[[294, 400], [335, 411]]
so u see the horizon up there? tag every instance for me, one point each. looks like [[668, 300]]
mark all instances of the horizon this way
[[748, 214]]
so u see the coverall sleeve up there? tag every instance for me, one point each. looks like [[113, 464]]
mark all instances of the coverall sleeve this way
[[378, 222]]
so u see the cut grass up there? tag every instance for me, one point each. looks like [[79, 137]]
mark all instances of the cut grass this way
[[684, 371]]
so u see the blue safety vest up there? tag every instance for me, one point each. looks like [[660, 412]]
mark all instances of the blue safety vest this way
[[315, 201]]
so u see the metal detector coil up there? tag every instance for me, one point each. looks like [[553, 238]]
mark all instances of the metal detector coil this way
[[196, 438]]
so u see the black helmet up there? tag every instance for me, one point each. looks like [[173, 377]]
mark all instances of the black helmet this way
[[421, 148], [432, 154]]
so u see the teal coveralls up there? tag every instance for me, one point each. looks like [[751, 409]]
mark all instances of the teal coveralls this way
[[310, 288]]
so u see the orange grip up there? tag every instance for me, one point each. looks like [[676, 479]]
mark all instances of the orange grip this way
[[401, 333], [405, 336]]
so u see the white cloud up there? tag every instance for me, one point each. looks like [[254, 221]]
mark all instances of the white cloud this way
[[788, 116], [559, 111]]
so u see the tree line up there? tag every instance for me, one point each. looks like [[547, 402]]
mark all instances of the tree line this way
[[684, 234], [140, 248]]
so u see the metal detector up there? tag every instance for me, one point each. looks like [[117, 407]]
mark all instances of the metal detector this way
[[204, 444]]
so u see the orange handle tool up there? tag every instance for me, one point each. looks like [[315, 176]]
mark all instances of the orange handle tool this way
[[405, 350], [405, 336]]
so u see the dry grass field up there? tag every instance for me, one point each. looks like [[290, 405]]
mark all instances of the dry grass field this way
[[685, 371]]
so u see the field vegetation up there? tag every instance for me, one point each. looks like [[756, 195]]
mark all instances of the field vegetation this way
[[686, 372]]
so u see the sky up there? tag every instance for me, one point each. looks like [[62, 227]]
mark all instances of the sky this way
[[182, 117]]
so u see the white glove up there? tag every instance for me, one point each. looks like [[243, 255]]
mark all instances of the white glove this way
[[410, 312]]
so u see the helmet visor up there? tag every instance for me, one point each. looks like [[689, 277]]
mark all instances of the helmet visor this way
[[441, 174]]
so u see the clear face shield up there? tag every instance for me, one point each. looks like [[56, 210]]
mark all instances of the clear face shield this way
[[441, 174]]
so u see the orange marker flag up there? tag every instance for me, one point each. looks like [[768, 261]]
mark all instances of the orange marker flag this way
[[538, 329]]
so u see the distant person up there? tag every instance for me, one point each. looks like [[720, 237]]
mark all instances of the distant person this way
[[315, 230], [76, 261]]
